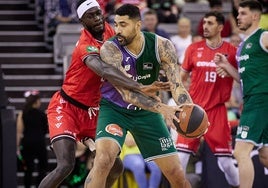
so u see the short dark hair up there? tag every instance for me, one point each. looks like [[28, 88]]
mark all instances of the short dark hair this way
[[215, 3], [132, 11], [219, 16], [251, 4]]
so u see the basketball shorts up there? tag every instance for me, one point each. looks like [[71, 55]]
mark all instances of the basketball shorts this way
[[218, 136], [253, 125], [67, 120], [148, 129]]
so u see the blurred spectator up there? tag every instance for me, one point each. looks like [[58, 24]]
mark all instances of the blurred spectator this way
[[59, 11], [235, 39], [233, 16], [234, 105], [31, 130], [150, 24], [196, 38], [184, 37], [167, 11], [133, 161], [142, 4], [216, 5], [264, 16]]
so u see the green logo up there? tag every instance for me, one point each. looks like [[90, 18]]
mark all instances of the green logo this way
[[92, 49]]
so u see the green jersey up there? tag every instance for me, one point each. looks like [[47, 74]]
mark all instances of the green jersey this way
[[253, 65]]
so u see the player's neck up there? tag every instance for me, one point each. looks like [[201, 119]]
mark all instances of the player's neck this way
[[214, 42], [251, 30], [137, 44]]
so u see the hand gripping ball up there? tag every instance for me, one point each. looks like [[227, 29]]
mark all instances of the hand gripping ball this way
[[193, 121]]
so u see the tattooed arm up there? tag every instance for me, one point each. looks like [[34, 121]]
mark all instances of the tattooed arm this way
[[170, 65], [115, 74]]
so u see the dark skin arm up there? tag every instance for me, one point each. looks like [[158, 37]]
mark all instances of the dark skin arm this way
[[110, 54], [120, 79]]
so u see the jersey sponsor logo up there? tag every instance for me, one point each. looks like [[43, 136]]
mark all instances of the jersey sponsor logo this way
[[139, 77], [166, 143], [147, 66], [114, 130], [92, 49], [241, 70], [205, 64], [242, 57]]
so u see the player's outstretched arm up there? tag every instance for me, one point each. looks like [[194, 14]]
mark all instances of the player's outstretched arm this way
[[109, 67], [170, 65]]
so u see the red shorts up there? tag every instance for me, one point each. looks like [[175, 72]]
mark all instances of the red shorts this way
[[67, 120], [218, 136]]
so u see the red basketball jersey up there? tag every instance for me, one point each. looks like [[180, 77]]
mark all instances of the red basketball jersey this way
[[207, 89], [81, 83]]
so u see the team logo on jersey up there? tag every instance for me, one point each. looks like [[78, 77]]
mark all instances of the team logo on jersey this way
[[92, 49], [243, 131], [199, 54], [248, 45], [114, 130], [147, 66], [127, 67]]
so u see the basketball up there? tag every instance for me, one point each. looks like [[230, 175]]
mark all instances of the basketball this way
[[193, 121]]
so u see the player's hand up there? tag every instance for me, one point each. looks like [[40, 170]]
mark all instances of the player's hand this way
[[169, 115], [220, 60], [152, 89], [221, 72]]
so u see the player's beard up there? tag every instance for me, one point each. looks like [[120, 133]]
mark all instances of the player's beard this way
[[244, 27], [124, 41]]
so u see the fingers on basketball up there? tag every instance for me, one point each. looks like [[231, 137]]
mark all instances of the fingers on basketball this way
[[193, 121]]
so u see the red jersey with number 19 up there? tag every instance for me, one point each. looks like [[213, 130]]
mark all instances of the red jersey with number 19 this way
[[207, 89], [81, 83]]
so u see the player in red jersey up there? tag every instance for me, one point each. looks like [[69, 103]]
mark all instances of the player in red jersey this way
[[72, 111], [210, 90]]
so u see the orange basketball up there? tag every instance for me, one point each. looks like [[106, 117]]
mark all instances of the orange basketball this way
[[193, 121]]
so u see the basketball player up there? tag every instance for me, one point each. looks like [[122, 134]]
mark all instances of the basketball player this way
[[252, 58], [72, 112], [210, 91], [141, 55]]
